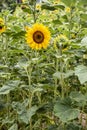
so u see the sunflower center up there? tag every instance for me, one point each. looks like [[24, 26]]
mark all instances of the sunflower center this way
[[38, 37], [0, 27]]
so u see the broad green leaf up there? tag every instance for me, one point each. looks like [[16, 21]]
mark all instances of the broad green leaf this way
[[2, 106], [79, 97], [23, 64], [20, 108], [57, 21], [69, 2], [63, 75], [37, 90], [13, 127], [3, 66], [84, 17], [24, 114], [81, 72], [4, 74], [84, 41], [51, 7], [59, 6], [11, 85], [69, 73], [16, 28], [82, 2], [59, 75], [32, 111], [26, 9], [65, 111], [73, 126], [48, 6]]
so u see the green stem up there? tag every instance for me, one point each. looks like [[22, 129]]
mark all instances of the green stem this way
[[37, 67], [34, 12], [30, 105], [62, 86], [8, 102], [28, 71], [61, 71], [70, 24], [55, 90]]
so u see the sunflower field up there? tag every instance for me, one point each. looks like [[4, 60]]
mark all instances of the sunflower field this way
[[43, 65]]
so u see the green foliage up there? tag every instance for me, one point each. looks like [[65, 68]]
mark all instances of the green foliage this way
[[64, 110], [44, 89], [81, 72]]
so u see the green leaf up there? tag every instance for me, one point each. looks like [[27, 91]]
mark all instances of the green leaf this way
[[32, 111], [69, 2], [24, 114], [20, 108], [3, 66], [13, 127], [57, 21], [65, 111], [59, 6], [81, 72], [84, 41], [11, 85], [48, 6], [37, 90], [51, 7], [26, 9], [73, 126], [64, 75], [78, 97], [16, 28], [84, 17], [23, 64], [82, 2], [2, 106]]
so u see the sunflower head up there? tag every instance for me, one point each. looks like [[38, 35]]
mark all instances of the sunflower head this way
[[1, 20], [67, 10], [61, 41], [56, 1], [38, 36], [2, 26], [38, 7]]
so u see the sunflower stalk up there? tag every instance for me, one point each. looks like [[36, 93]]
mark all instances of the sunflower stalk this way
[[70, 22], [61, 70], [28, 71], [6, 48], [55, 90], [34, 12], [37, 67]]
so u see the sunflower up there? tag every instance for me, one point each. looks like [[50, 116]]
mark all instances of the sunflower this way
[[56, 1], [38, 7], [61, 41], [38, 36], [2, 26], [67, 10]]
